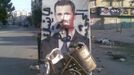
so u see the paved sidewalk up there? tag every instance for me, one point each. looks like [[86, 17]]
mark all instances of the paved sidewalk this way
[[18, 50], [126, 36]]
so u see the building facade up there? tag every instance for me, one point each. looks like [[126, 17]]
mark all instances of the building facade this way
[[19, 17], [111, 14]]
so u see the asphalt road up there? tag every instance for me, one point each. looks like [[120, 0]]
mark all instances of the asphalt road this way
[[18, 50]]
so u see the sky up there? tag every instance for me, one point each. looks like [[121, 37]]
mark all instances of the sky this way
[[22, 5]]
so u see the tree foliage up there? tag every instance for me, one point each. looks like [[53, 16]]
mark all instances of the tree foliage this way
[[29, 19], [36, 17], [6, 7]]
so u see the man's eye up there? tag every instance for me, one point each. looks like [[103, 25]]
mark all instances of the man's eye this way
[[67, 13], [59, 14]]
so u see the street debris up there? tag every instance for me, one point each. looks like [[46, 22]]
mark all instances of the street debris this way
[[117, 56], [34, 67], [104, 41], [99, 69]]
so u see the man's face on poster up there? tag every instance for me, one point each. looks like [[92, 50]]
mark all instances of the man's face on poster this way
[[65, 14]]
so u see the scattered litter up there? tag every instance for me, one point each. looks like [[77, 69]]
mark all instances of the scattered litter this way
[[122, 59], [99, 69], [104, 41], [34, 67], [116, 56]]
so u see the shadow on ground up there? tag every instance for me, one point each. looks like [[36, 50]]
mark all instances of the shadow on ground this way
[[16, 66]]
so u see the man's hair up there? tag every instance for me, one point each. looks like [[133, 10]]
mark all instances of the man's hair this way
[[65, 2]]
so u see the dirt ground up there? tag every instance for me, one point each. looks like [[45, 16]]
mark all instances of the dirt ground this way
[[107, 65]]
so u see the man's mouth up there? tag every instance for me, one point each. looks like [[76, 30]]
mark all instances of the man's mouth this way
[[65, 23]]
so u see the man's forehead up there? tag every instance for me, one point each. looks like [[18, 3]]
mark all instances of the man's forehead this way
[[63, 7]]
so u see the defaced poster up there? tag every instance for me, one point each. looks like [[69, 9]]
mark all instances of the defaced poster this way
[[64, 24]]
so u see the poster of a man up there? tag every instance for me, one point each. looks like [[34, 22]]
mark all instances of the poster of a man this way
[[63, 32]]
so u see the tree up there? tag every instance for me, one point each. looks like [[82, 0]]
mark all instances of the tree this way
[[36, 17], [29, 19], [6, 7]]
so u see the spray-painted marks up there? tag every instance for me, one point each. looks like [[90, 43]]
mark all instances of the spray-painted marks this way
[[47, 21], [83, 27]]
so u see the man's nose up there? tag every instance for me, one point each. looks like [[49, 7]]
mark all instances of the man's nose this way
[[63, 17]]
